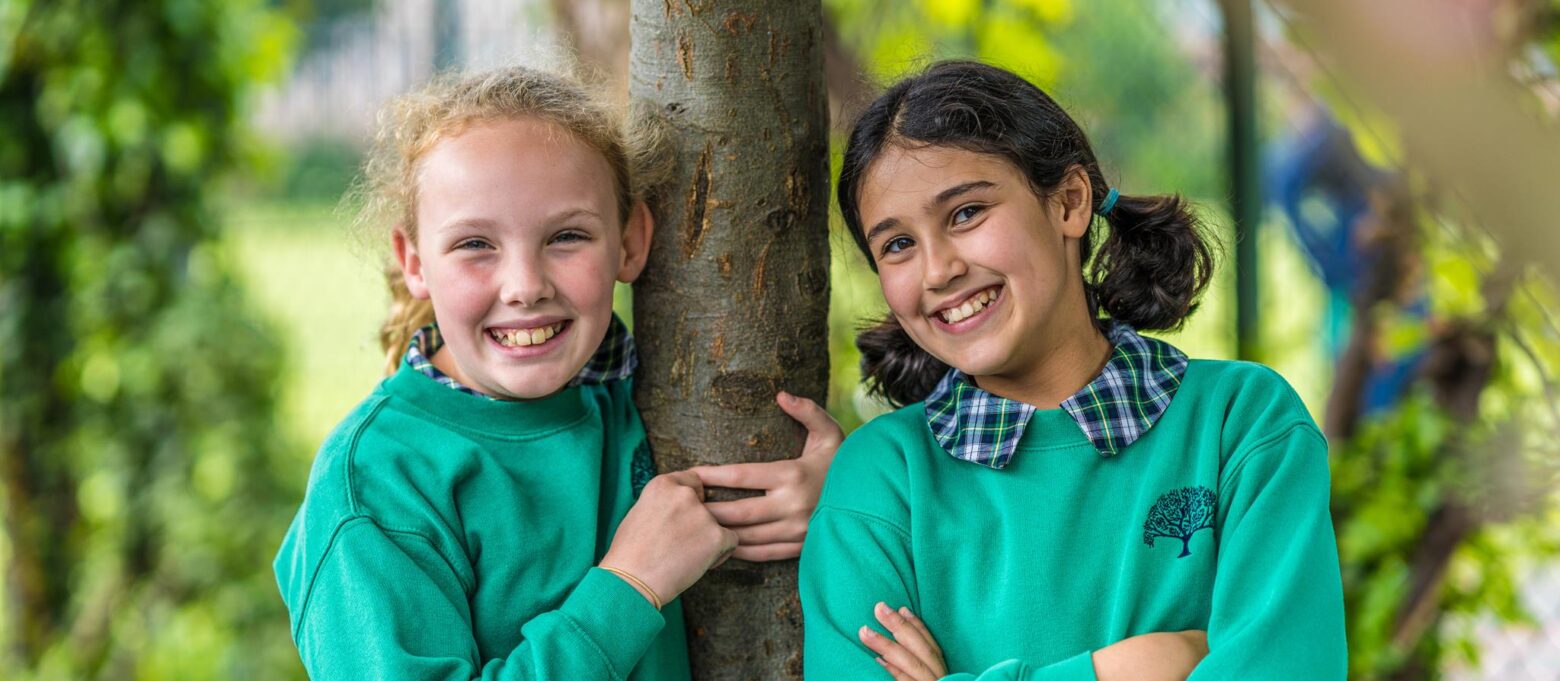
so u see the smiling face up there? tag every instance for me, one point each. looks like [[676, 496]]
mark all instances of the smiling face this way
[[518, 243], [978, 270]]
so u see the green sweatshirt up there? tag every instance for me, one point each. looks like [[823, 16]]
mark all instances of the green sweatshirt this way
[[1022, 572], [448, 536]]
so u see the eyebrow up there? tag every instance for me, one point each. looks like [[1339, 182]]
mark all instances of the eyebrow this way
[[486, 224], [942, 197], [958, 190], [573, 213], [473, 223], [882, 226]]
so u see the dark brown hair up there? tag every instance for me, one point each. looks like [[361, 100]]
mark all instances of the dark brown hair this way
[[1147, 272]]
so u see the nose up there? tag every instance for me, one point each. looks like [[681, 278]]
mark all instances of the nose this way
[[524, 280], [944, 265]]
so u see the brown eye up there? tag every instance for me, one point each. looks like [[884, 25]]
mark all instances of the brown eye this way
[[966, 213], [897, 244]]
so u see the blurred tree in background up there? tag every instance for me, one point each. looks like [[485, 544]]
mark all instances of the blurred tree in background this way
[[141, 500], [1445, 500]]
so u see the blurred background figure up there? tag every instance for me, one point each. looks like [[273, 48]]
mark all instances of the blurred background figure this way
[[183, 311]]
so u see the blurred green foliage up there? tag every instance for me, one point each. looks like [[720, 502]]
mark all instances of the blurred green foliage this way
[[1481, 475], [319, 171], [139, 456]]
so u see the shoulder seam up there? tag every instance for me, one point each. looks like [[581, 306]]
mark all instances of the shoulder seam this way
[[1282, 433], [352, 448], [330, 548], [308, 594], [861, 515]]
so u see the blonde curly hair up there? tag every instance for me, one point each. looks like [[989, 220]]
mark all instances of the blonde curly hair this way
[[385, 196]]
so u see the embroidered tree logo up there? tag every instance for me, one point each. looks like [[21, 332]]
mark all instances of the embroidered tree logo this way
[[1179, 514]]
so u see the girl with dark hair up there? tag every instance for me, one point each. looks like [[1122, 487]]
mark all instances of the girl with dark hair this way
[[1059, 497]]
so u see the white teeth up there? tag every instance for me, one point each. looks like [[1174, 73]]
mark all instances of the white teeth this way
[[975, 304]]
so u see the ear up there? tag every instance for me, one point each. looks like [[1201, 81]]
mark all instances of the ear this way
[[1074, 204], [406, 256], [636, 242]]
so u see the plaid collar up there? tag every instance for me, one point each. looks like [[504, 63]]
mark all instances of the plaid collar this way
[[615, 358], [1113, 410]]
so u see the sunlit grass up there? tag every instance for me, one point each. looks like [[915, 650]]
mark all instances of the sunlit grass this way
[[326, 300]]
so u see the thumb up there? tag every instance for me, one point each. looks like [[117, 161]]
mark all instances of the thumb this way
[[687, 478]]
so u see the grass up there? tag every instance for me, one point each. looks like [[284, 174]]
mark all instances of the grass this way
[[298, 264]]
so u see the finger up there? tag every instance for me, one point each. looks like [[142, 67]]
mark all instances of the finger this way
[[892, 652], [743, 512], [771, 533], [897, 673], [686, 479], [906, 634], [738, 475], [813, 417], [915, 621], [767, 552]]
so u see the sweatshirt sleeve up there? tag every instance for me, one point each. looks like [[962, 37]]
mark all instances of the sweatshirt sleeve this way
[[1277, 609], [852, 561], [384, 604]]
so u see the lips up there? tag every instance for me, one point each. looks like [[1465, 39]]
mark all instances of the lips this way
[[519, 337], [970, 306]]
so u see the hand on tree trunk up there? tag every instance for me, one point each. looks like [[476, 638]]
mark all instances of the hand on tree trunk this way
[[669, 540], [772, 526]]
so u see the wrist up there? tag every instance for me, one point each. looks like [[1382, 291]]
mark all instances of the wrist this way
[[639, 585]]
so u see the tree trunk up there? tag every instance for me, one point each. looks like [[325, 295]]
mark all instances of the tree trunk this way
[[733, 305]]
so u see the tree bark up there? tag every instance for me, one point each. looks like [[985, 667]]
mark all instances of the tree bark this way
[[734, 303]]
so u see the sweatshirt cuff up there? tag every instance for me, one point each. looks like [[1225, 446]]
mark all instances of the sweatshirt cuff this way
[[1079, 667], [616, 618]]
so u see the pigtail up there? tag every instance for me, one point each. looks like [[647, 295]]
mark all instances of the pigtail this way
[[407, 315], [894, 367], [1153, 265]]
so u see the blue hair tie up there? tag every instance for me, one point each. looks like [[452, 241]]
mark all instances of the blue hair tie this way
[[1109, 202]]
